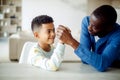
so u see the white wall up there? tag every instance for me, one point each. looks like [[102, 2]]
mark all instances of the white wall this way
[[64, 12], [93, 4]]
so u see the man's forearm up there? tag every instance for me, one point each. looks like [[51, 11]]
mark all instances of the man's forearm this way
[[74, 43]]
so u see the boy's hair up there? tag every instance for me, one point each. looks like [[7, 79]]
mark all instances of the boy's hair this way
[[107, 13], [39, 20]]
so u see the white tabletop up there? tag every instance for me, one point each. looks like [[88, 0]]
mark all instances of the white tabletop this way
[[67, 71]]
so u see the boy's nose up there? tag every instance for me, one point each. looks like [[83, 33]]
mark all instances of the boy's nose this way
[[53, 34]]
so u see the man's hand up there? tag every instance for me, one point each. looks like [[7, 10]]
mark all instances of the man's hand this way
[[64, 34]]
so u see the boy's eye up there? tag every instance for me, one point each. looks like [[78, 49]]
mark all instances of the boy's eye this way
[[51, 30], [48, 31]]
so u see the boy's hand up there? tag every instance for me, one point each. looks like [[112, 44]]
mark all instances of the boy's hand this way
[[67, 30], [64, 34]]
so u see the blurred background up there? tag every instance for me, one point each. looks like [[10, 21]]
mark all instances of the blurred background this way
[[16, 17]]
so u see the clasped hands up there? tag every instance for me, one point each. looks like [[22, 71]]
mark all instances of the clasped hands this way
[[64, 34]]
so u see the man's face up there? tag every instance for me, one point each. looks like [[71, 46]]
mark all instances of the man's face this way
[[96, 26]]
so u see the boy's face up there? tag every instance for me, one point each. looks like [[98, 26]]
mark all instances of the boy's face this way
[[46, 34], [96, 26]]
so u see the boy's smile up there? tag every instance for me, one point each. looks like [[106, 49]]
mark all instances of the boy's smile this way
[[47, 33]]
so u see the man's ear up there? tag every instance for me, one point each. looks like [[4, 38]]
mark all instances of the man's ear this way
[[36, 34]]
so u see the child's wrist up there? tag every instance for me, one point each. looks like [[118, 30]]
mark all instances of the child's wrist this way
[[61, 42]]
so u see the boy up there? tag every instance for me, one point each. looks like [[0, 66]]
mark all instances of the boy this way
[[43, 54]]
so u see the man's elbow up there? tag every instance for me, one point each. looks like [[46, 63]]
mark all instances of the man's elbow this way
[[101, 69]]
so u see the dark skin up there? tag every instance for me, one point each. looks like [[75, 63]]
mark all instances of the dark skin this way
[[97, 27]]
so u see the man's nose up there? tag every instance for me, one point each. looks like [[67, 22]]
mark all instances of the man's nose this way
[[90, 28]]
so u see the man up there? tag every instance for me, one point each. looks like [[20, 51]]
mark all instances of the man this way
[[99, 43]]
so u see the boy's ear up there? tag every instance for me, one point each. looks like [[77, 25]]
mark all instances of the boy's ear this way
[[36, 35]]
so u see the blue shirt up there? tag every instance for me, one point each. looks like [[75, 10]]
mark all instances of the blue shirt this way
[[101, 54]]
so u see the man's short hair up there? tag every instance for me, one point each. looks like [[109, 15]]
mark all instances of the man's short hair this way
[[39, 20], [106, 12]]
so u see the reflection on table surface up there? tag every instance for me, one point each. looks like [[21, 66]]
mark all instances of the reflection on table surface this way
[[67, 71]]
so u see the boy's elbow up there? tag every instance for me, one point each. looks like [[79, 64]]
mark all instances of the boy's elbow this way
[[54, 68]]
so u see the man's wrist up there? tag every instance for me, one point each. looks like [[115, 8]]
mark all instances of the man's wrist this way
[[73, 43]]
